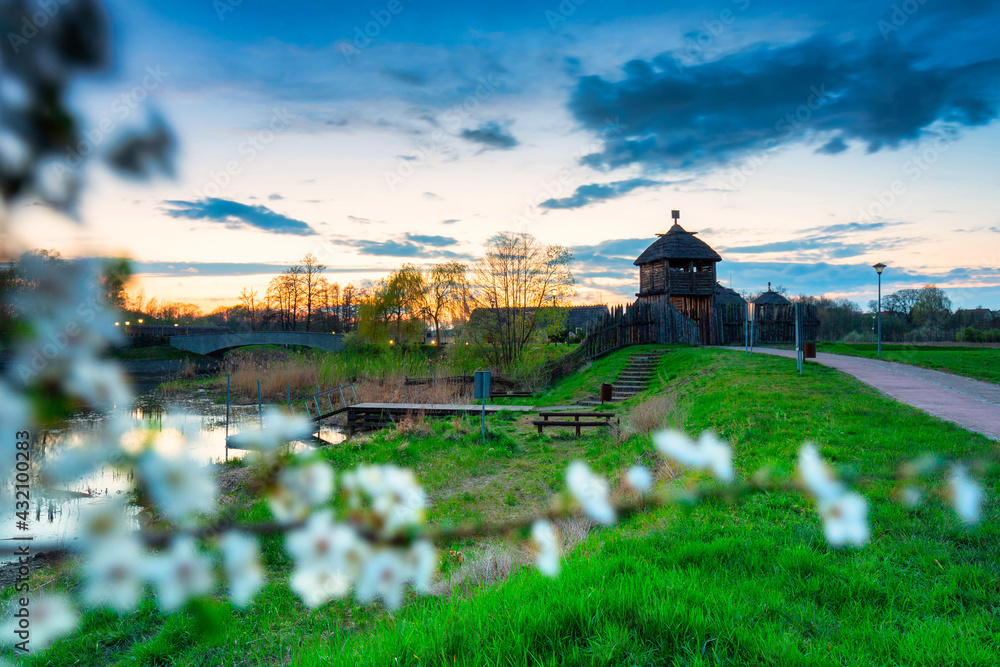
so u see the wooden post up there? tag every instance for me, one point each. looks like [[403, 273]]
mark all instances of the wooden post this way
[[260, 410], [228, 376]]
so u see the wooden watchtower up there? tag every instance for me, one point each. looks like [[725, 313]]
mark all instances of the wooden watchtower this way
[[680, 267]]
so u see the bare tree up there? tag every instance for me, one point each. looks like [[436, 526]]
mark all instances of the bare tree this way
[[445, 286], [312, 280], [516, 278], [252, 305]]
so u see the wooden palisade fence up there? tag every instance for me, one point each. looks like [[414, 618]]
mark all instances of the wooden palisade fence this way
[[643, 322]]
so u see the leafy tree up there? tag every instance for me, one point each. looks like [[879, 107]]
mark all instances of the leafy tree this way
[[397, 300], [932, 307]]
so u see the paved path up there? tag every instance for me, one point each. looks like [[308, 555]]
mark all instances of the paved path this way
[[972, 404]]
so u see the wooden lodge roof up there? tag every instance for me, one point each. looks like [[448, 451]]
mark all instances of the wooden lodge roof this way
[[677, 243]]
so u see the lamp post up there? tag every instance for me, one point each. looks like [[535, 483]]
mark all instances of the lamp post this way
[[878, 269]]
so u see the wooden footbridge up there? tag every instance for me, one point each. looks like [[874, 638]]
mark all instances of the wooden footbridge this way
[[375, 415], [344, 399]]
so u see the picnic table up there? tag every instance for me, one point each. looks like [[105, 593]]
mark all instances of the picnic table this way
[[580, 420]]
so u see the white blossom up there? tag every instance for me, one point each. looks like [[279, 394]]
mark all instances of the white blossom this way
[[279, 429], [965, 495], [15, 415], [103, 521], [708, 453], [52, 616], [639, 479], [383, 575], [547, 556], [844, 513], [817, 476], [393, 493], [911, 496], [299, 490], [181, 574], [100, 384], [327, 556], [241, 560], [72, 463], [423, 564], [15, 155], [115, 572], [591, 491], [181, 487], [845, 520]]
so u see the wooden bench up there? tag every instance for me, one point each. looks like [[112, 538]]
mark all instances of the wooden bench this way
[[511, 394], [580, 420]]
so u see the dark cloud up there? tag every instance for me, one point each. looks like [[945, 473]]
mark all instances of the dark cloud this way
[[596, 192], [839, 241], [491, 135], [275, 197], [450, 221], [832, 147], [431, 195], [238, 216], [410, 246], [817, 90]]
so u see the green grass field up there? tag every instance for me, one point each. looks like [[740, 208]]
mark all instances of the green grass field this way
[[716, 584], [981, 363]]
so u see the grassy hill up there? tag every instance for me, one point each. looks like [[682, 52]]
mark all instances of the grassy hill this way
[[747, 583]]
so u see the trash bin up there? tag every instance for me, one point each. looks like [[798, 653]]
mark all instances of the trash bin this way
[[810, 351], [606, 390]]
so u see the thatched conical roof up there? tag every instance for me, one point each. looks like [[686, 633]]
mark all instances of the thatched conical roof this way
[[771, 297], [727, 296], [677, 243]]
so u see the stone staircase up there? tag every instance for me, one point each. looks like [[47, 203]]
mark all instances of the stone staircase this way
[[634, 378]]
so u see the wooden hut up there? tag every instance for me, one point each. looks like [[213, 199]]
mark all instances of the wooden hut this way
[[680, 268]]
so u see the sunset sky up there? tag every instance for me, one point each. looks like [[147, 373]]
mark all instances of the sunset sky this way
[[803, 141]]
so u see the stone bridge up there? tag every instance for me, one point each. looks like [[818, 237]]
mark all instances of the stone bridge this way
[[209, 343]]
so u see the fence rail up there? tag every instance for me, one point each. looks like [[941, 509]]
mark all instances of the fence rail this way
[[647, 321]]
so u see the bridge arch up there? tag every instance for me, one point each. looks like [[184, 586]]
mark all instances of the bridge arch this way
[[209, 343]]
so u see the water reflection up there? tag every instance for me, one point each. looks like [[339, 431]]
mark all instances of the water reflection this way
[[195, 428]]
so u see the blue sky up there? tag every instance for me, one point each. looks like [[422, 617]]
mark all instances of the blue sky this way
[[803, 141]]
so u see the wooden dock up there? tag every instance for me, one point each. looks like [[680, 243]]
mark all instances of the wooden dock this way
[[365, 415]]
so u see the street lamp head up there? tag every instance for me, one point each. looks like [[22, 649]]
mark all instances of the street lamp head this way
[[879, 268]]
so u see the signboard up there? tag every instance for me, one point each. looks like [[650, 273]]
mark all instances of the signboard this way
[[482, 385]]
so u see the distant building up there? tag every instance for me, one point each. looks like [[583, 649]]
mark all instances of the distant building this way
[[569, 319], [771, 298]]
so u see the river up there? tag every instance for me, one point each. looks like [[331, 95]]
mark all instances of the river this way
[[195, 426]]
